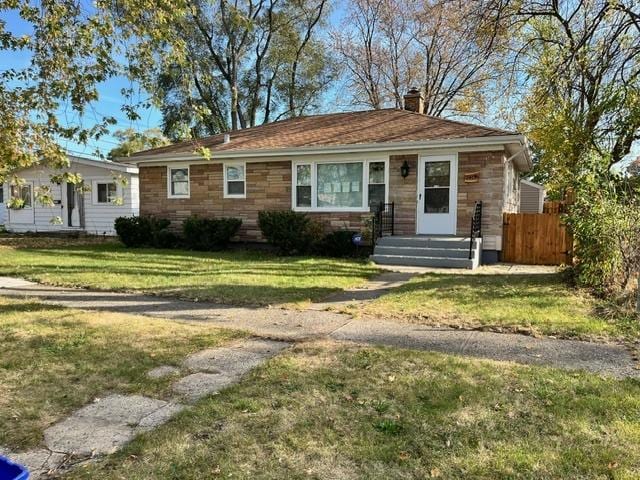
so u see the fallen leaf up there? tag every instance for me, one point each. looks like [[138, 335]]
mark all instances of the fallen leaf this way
[[435, 472]]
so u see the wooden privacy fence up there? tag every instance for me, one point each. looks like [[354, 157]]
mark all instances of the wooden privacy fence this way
[[536, 239]]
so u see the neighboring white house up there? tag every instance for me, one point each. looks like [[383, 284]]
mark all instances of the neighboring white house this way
[[92, 210], [531, 197]]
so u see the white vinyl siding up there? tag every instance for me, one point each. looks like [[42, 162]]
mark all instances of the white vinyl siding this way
[[99, 218]]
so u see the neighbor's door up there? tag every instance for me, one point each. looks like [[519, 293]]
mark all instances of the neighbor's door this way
[[71, 203], [437, 195]]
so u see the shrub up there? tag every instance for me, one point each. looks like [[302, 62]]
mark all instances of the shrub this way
[[290, 232], [340, 244], [209, 233], [140, 231], [166, 239]]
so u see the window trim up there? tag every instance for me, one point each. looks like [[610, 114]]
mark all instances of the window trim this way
[[314, 183], [178, 167], [226, 183], [94, 192]]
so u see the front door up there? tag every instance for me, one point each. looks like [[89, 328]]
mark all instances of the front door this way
[[437, 195]]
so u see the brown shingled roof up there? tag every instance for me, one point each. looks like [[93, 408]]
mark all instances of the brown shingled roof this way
[[334, 129]]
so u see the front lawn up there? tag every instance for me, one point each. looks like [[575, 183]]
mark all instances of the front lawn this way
[[537, 304], [54, 360], [229, 277], [333, 411]]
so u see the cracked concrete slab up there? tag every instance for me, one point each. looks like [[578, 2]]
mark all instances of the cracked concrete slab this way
[[198, 385], [106, 425], [87, 436], [121, 409], [235, 360], [38, 461], [159, 417]]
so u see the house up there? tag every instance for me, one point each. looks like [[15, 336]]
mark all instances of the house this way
[[339, 167], [532, 197], [110, 190]]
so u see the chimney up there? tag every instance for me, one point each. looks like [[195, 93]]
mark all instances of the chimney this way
[[414, 101], [226, 138]]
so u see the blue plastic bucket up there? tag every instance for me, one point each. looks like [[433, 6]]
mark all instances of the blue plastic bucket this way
[[12, 471]]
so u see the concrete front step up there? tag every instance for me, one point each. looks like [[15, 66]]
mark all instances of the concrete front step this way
[[417, 261], [423, 252], [425, 242]]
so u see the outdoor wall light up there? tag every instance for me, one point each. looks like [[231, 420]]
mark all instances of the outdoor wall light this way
[[404, 169]]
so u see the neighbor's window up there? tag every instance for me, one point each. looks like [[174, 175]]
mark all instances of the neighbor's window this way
[[178, 182], [303, 185], [22, 192], [106, 192], [338, 186], [234, 180], [1, 193], [377, 186]]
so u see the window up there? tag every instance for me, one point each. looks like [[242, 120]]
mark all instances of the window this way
[[377, 184], [106, 192], [303, 186], [178, 182], [22, 192], [339, 186], [1, 193], [436, 187], [234, 180]]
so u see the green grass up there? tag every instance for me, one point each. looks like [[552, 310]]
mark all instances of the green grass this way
[[230, 277], [537, 304], [54, 360], [332, 411]]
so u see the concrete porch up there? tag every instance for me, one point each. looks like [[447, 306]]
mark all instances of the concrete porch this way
[[443, 251]]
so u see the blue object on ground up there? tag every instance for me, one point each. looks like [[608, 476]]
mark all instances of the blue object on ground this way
[[12, 471]]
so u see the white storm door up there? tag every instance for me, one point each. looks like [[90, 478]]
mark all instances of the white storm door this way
[[437, 195]]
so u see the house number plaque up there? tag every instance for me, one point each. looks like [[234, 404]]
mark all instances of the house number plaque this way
[[472, 177]]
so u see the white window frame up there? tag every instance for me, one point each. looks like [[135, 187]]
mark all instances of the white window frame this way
[[178, 167], [31, 188], [226, 184], [94, 192], [314, 183]]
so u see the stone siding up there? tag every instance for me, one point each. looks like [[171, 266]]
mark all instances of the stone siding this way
[[268, 186]]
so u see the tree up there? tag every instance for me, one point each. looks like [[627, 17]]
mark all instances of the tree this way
[[581, 61], [71, 48], [70, 53], [132, 141], [388, 46], [235, 64]]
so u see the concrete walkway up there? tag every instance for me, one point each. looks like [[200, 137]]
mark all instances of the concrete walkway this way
[[295, 325], [106, 425]]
